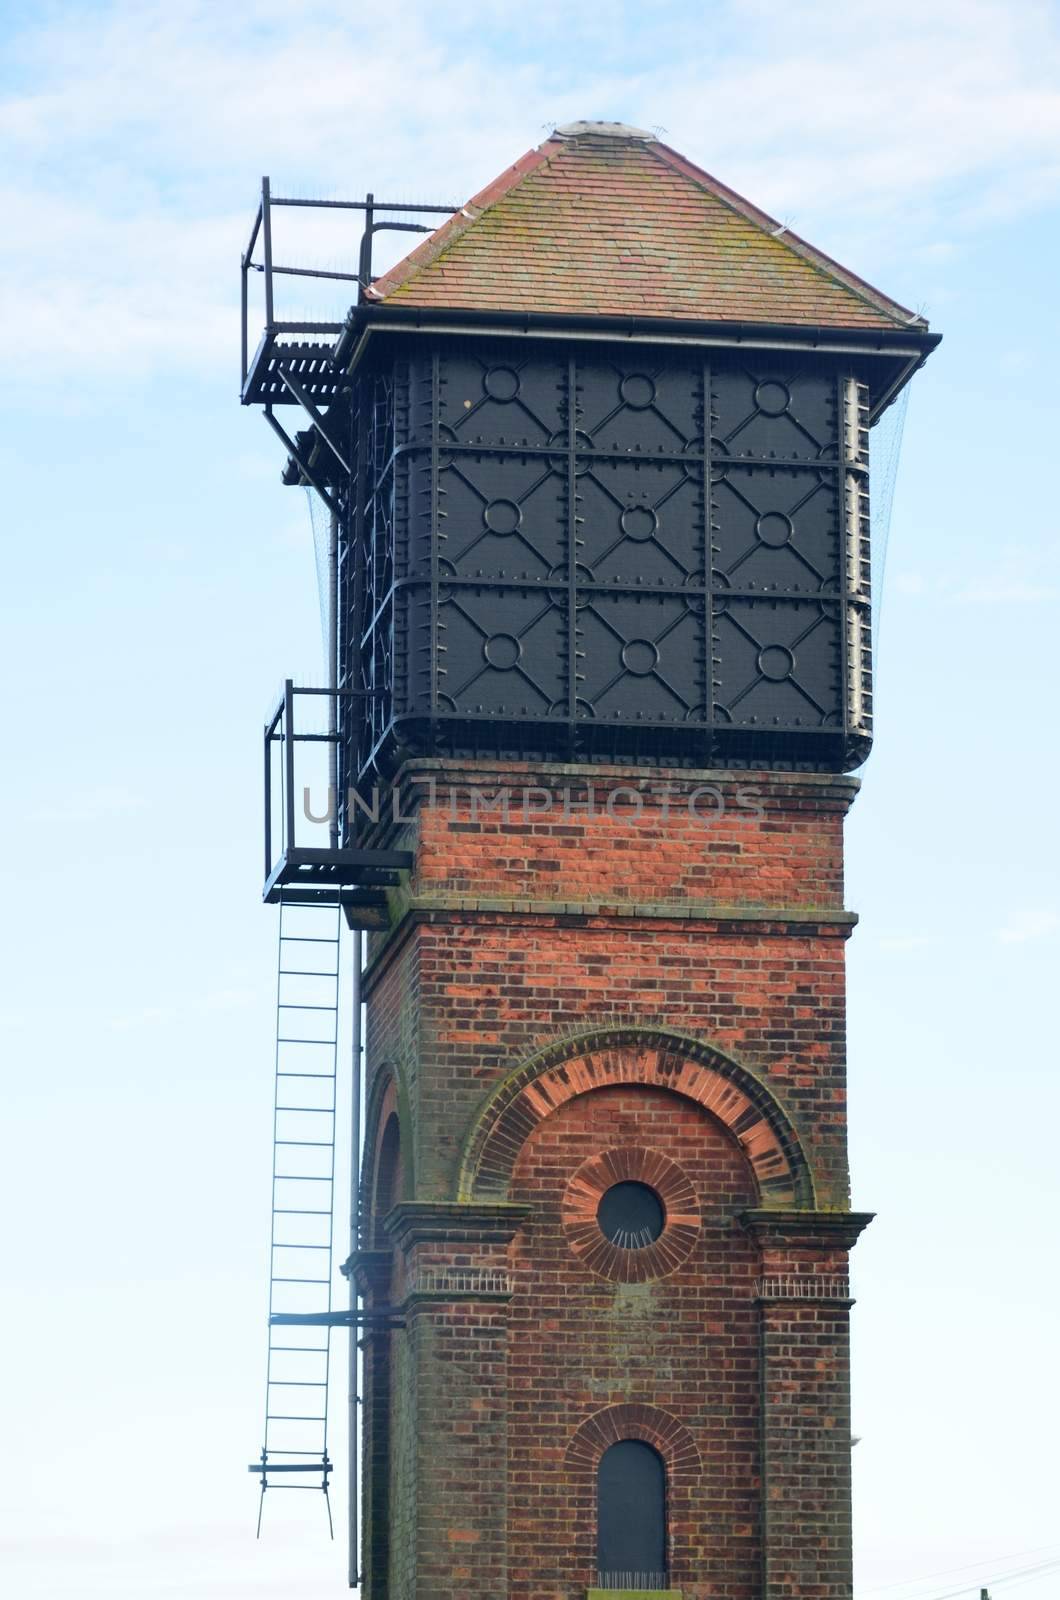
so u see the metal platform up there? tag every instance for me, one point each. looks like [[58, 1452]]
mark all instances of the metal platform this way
[[301, 350], [260, 382], [331, 872], [354, 880]]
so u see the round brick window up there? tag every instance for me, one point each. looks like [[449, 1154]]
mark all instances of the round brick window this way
[[631, 1214]]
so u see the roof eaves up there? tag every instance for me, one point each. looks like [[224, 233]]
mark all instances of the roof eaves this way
[[874, 297]]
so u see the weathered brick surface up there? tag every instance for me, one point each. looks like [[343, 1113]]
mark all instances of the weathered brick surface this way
[[806, 1451], [684, 1345], [613, 836], [571, 937]]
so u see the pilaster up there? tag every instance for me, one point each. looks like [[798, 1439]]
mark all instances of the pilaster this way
[[457, 1294], [804, 1315]]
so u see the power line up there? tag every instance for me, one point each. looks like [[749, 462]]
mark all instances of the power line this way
[[968, 1566], [1017, 1574]]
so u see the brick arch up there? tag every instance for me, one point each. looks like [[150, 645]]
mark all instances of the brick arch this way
[[654, 1057], [634, 1420], [386, 1098]]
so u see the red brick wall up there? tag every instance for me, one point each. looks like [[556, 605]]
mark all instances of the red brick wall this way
[[685, 1344], [516, 933], [754, 840]]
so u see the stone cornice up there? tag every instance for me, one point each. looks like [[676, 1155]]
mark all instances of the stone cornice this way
[[838, 1230], [417, 774], [445, 1221], [614, 910], [369, 1269], [407, 911]]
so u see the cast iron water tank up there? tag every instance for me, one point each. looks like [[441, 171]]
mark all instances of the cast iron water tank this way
[[581, 551]]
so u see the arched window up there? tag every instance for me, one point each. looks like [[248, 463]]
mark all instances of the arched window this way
[[631, 1515], [387, 1178]]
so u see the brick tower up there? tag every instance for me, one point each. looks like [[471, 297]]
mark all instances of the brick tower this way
[[602, 497]]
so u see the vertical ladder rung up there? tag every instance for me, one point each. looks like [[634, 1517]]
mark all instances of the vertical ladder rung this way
[[299, 1430]]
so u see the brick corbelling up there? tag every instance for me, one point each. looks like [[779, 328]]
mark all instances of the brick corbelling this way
[[413, 778]]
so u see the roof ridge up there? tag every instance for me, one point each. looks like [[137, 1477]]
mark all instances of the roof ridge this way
[[818, 259]]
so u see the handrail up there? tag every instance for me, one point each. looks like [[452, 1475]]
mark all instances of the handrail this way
[[281, 729], [262, 226]]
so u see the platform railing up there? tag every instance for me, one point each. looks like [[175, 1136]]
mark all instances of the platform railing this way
[[306, 843], [378, 216]]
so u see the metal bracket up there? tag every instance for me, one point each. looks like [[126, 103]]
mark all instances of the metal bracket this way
[[303, 466], [392, 1315], [315, 417]]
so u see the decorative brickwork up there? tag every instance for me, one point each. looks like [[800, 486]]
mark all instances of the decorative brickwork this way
[[634, 1164], [629, 1056], [635, 1421], [674, 1357], [563, 1002]]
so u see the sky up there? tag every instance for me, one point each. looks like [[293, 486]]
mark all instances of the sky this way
[[159, 584]]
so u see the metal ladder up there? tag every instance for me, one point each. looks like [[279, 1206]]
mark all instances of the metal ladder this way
[[295, 1451]]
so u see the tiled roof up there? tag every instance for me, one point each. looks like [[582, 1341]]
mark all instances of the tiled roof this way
[[606, 220]]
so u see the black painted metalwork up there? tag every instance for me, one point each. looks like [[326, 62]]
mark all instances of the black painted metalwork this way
[[594, 554], [582, 538], [302, 864], [311, 359]]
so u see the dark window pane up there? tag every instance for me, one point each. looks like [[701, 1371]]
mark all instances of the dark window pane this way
[[631, 1510], [631, 1215]]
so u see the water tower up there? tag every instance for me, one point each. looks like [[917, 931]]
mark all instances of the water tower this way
[[595, 462]]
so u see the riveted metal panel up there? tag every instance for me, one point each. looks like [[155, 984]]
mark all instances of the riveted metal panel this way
[[565, 552]]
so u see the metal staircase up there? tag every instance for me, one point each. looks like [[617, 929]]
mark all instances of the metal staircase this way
[[295, 1452]]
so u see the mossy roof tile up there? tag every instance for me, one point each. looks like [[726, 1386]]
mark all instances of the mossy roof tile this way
[[619, 224]]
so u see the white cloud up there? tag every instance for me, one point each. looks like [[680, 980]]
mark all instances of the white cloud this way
[[139, 131], [1027, 925]]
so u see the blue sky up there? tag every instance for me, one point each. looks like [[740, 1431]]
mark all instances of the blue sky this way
[[160, 584]]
